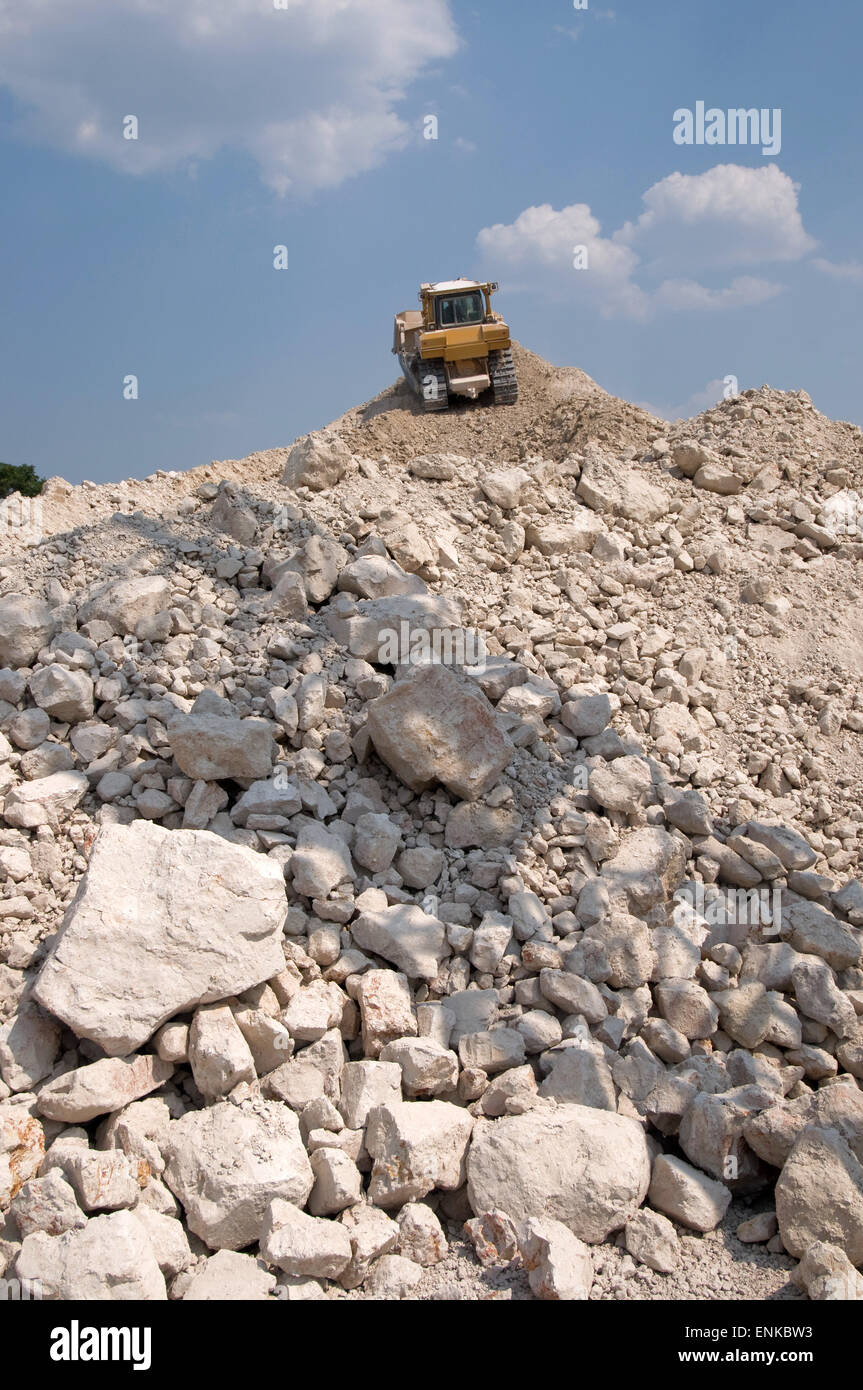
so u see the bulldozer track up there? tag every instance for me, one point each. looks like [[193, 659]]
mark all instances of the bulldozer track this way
[[503, 379], [434, 395]]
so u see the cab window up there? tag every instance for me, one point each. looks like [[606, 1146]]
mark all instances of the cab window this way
[[455, 310]]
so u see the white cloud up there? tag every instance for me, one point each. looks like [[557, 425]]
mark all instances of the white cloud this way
[[548, 239], [839, 270], [728, 216], [701, 400], [689, 294], [310, 92]]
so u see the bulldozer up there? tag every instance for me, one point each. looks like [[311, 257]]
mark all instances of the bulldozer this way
[[455, 345]]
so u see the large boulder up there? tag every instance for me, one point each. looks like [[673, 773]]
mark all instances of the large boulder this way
[[819, 1195], [26, 624], [63, 694], [29, 1044], [647, 868], [127, 602], [102, 1087], [227, 1164], [416, 1147], [376, 576], [163, 920], [45, 801], [413, 940], [621, 785], [610, 487], [303, 1245], [587, 1168], [375, 628], [320, 861], [110, 1259], [228, 514], [690, 1197], [316, 461], [505, 487], [575, 536], [773, 1132], [430, 728], [208, 747], [815, 931], [789, 846], [318, 562]]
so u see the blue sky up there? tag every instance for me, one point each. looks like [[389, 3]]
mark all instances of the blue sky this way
[[304, 127]]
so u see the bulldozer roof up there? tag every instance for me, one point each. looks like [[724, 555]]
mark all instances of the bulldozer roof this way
[[448, 286]]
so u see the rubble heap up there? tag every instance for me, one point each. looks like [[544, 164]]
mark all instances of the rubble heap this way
[[331, 971]]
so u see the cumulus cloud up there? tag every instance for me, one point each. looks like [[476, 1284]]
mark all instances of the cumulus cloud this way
[[839, 270], [310, 92], [553, 240], [728, 216], [689, 294]]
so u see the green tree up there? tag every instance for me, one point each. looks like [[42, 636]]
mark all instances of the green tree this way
[[19, 477]]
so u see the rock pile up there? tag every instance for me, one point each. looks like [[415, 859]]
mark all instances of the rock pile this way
[[328, 972]]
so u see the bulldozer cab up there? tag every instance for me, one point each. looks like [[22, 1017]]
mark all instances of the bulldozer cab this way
[[453, 310]]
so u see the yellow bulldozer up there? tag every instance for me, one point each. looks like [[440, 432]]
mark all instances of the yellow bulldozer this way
[[455, 345]]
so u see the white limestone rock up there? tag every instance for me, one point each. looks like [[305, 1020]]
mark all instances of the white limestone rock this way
[[204, 922], [587, 1168], [227, 1163], [110, 1259]]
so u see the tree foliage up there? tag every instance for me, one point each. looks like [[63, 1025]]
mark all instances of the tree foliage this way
[[20, 477]]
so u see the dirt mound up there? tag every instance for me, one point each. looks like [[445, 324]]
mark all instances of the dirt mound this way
[[559, 410], [783, 427]]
